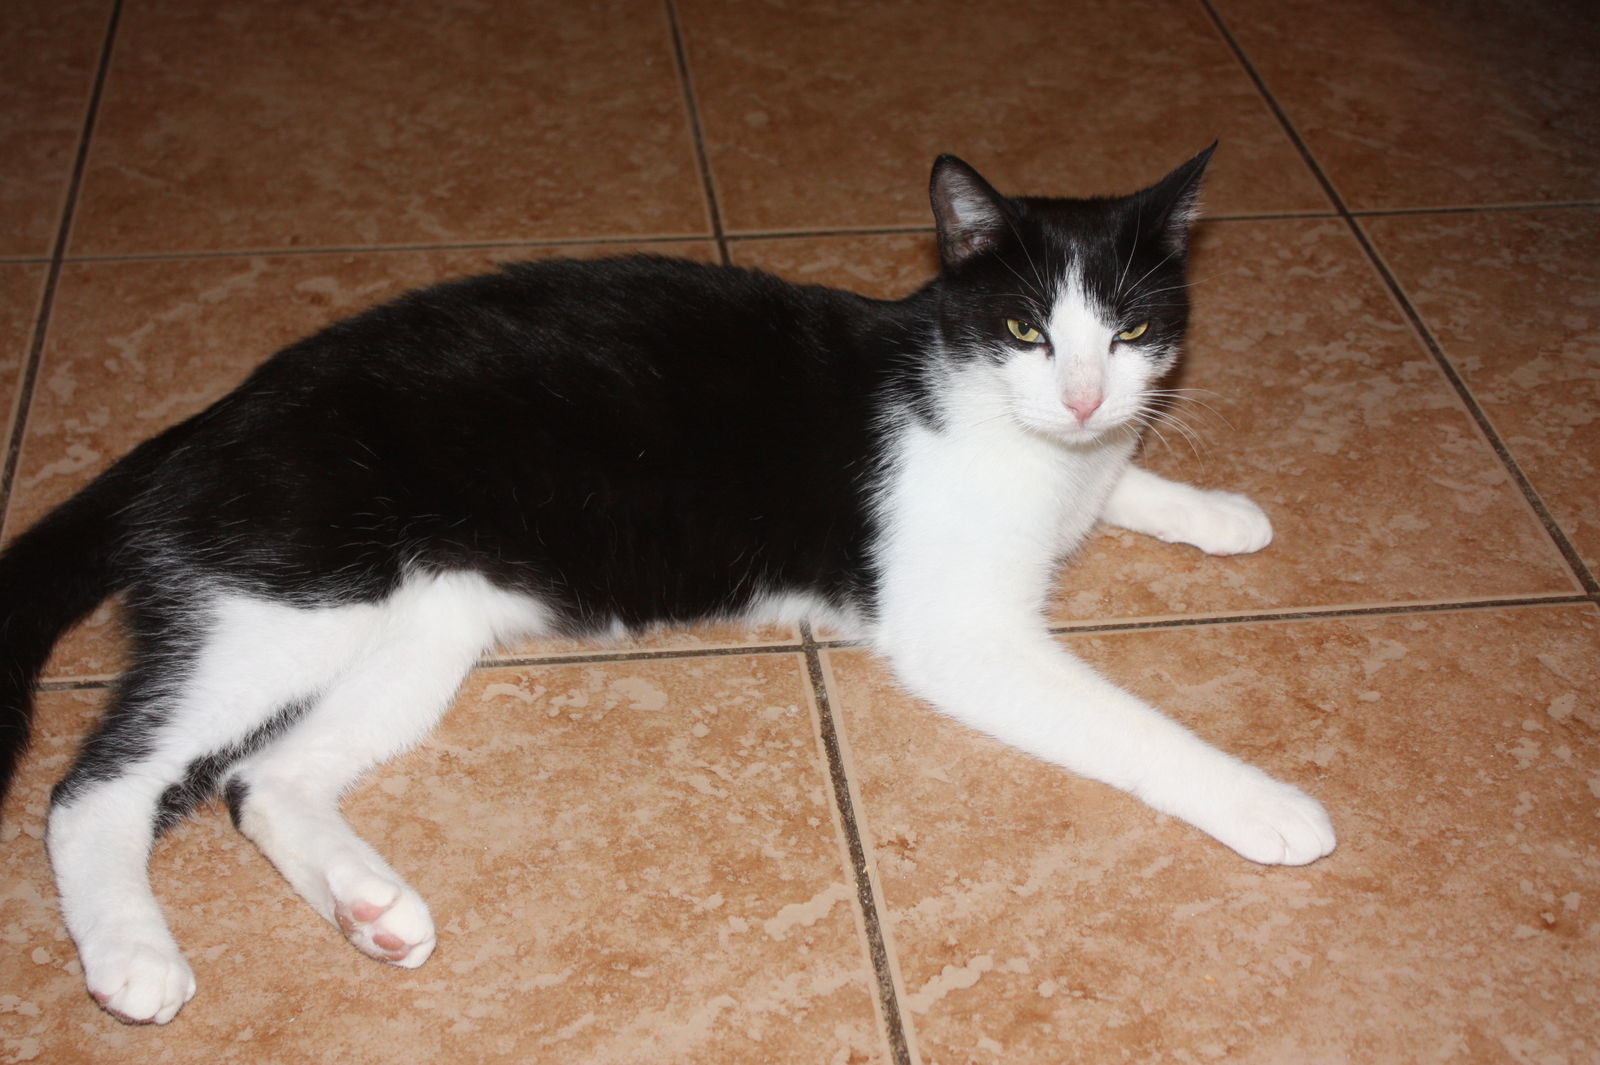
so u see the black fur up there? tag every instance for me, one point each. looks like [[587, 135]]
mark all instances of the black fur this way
[[639, 438]]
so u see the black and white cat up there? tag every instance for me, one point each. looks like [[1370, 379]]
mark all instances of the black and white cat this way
[[312, 565]]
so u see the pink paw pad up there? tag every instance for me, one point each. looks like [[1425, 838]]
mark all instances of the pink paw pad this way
[[399, 932]]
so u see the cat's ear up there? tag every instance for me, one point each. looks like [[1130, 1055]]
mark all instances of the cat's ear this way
[[970, 214], [1171, 204]]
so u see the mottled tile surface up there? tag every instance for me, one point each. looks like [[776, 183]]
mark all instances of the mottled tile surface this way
[[628, 862], [20, 285], [1514, 300], [1429, 103], [1040, 918], [49, 52], [640, 851], [242, 126], [828, 115]]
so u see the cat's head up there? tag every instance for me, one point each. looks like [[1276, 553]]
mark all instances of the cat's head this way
[[1079, 304]]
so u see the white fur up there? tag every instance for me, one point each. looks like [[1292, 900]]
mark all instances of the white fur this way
[[980, 509], [379, 676]]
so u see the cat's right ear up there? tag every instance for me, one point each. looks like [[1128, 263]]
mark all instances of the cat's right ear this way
[[970, 214]]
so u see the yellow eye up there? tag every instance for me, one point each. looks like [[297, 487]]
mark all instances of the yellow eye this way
[[1135, 333], [1024, 331]]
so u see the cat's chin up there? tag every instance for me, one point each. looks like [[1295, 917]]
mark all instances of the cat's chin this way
[[1084, 436]]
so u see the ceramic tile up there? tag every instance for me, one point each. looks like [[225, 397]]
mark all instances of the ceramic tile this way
[[137, 346], [1039, 917], [709, 636], [246, 126], [1420, 103], [1514, 300], [20, 288], [829, 115], [634, 862], [1314, 397], [49, 53]]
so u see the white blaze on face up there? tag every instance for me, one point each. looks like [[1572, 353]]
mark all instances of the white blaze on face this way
[[1083, 383], [1081, 340]]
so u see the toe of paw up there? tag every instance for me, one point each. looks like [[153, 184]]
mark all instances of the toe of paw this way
[[142, 985]]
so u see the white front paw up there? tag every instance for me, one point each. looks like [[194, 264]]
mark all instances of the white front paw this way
[[1268, 821], [1218, 523], [382, 918], [138, 982]]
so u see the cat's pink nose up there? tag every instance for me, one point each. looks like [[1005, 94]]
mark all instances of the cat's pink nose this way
[[1083, 406]]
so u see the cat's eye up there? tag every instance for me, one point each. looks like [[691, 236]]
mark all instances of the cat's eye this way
[[1135, 333], [1024, 331]]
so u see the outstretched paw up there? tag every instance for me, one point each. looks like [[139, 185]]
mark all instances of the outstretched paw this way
[[1273, 823], [384, 920], [138, 982], [1218, 523]]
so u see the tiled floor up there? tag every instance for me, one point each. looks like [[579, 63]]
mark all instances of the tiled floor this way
[[725, 846]]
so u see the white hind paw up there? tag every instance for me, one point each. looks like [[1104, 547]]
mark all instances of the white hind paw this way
[[383, 919], [140, 983], [1273, 823]]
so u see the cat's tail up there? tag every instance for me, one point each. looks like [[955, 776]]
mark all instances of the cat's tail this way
[[50, 577]]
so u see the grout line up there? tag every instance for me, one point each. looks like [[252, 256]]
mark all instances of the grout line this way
[[1469, 401], [41, 324], [725, 238], [1557, 535], [1481, 208], [362, 249], [866, 897], [810, 644], [1333, 613], [681, 55], [1277, 111], [643, 655]]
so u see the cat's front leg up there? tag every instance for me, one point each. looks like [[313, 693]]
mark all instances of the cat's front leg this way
[[1024, 689], [1218, 523]]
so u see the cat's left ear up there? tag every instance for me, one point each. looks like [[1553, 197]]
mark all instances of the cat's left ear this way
[[1170, 206], [970, 214]]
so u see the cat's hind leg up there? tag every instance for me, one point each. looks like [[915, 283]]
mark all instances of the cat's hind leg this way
[[202, 690], [1218, 523], [286, 797]]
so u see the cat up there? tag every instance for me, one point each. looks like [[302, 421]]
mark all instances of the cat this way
[[311, 565]]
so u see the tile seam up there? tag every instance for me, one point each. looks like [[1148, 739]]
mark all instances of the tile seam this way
[[727, 238], [618, 239], [702, 159], [1479, 416], [1474, 410], [364, 249], [1069, 629], [41, 324], [1481, 208], [866, 895], [1460, 606]]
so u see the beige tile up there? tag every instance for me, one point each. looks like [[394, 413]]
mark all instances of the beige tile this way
[[709, 636], [137, 346], [827, 115], [1416, 103], [242, 126], [1514, 300], [1314, 397], [1039, 917], [628, 863], [21, 285], [49, 53]]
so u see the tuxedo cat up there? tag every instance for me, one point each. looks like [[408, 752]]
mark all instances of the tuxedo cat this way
[[312, 565]]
